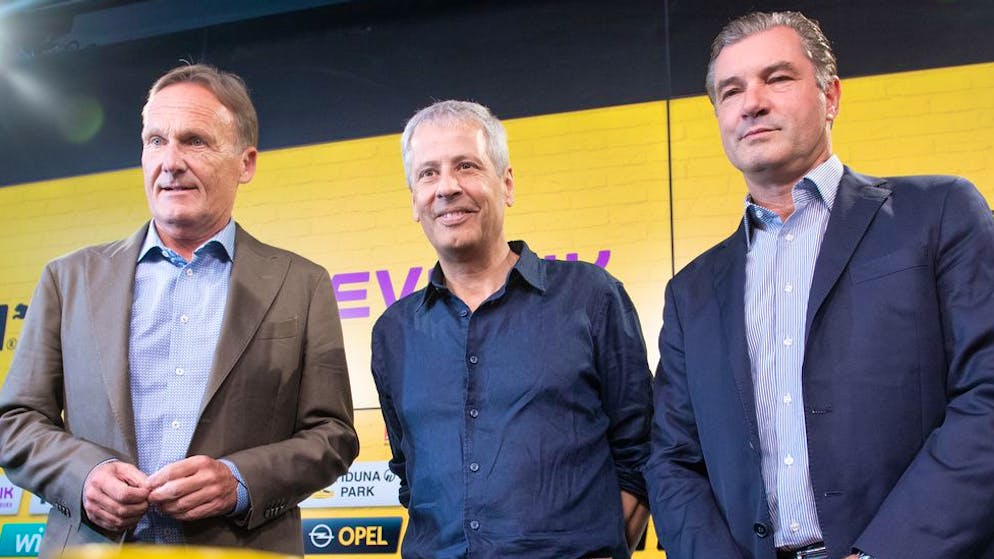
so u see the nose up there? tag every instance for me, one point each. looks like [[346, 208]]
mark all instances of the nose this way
[[173, 161], [448, 185], [754, 101]]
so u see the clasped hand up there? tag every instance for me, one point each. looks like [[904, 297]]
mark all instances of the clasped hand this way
[[117, 494]]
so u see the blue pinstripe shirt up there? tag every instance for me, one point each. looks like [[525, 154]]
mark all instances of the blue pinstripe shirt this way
[[176, 316], [779, 268]]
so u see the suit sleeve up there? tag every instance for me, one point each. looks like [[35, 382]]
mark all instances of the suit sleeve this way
[[942, 506], [395, 432], [684, 511], [37, 451], [281, 474], [626, 384]]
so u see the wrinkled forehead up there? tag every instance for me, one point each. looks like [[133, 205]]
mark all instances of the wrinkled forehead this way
[[184, 105], [431, 138], [777, 46]]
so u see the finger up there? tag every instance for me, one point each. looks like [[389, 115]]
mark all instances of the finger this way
[[189, 475], [117, 504], [202, 504], [130, 474], [180, 469], [214, 496], [184, 503], [104, 485], [113, 517]]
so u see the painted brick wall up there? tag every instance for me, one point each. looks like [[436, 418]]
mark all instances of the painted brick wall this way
[[586, 182]]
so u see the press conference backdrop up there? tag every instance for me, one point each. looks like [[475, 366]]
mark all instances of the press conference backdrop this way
[[638, 187]]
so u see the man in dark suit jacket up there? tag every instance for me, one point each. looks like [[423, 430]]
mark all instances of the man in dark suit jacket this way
[[826, 382], [187, 384]]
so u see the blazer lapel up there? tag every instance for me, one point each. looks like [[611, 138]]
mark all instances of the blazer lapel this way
[[257, 274], [856, 202], [729, 286], [110, 281]]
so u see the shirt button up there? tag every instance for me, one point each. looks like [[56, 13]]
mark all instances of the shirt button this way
[[474, 413], [474, 467], [189, 271], [464, 313], [175, 424], [789, 460], [795, 526], [789, 237], [474, 524], [787, 399], [788, 341], [474, 359], [789, 288], [180, 371], [184, 319]]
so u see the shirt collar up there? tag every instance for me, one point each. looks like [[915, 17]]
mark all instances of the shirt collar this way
[[224, 240], [527, 268], [823, 181]]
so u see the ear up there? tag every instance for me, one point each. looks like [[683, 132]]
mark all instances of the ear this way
[[509, 187], [414, 204], [833, 95], [249, 156]]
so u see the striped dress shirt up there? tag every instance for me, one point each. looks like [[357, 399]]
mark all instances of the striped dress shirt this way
[[779, 268]]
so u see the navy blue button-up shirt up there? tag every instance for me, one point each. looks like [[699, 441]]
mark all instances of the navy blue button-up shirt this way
[[515, 427]]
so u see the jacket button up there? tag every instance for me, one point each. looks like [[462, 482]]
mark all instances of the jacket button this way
[[760, 529]]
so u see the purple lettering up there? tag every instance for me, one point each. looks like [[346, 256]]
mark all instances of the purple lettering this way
[[603, 256], [3, 325], [343, 295], [6, 492], [386, 284]]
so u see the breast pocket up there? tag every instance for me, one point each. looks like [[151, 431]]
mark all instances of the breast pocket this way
[[278, 329], [887, 301], [888, 264]]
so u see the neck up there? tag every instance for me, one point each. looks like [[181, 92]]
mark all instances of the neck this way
[[473, 281], [182, 242], [776, 198], [773, 189]]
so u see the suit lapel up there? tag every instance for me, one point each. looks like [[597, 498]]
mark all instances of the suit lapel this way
[[729, 285], [257, 274], [110, 281], [856, 202]]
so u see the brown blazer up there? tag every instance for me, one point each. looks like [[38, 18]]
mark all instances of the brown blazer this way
[[277, 404]]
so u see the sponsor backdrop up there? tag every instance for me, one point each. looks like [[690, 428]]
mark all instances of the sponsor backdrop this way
[[639, 189]]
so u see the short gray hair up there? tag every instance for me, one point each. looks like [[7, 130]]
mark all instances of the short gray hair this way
[[816, 45], [229, 89], [452, 111]]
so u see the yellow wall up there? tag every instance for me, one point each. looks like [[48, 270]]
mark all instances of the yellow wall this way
[[587, 181]]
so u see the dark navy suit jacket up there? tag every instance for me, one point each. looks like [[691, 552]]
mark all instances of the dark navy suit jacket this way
[[898, 381]]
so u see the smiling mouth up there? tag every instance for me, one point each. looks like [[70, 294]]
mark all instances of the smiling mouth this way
[[453, 217]]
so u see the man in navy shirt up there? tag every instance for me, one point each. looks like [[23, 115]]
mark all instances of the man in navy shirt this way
[[515, 390]]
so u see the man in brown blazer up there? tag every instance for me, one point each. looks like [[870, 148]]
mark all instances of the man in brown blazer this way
[[188, 384]]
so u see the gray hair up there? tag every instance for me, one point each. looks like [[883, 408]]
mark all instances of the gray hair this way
[[816, 45], [452, 111], [229, 89]]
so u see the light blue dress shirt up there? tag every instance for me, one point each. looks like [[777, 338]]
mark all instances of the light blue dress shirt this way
[[176, 317], [779, 269]]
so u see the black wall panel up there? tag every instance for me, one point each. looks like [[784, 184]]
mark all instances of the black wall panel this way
[[361, 68]]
